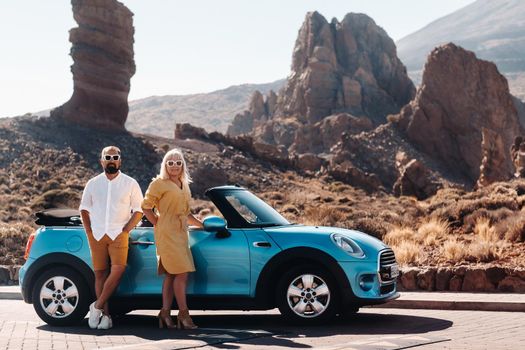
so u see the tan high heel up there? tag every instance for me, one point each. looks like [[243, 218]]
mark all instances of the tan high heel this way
[[165, 319], [184, 320]]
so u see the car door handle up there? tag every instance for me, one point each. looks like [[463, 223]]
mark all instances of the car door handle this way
[[142, 242], [262, 244]]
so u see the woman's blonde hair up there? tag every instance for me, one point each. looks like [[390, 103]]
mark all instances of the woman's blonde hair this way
[[185, 175]]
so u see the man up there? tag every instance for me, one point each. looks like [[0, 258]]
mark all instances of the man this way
[[107, 203]]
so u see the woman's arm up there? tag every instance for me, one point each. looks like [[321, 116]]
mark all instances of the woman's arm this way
[[193, 221], [152, 217]]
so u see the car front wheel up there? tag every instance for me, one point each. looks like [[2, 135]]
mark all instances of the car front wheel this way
[[307, 294], [61, 297]]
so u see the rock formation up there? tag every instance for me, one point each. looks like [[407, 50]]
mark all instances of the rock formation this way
[[345, 77], [460, 96], [517, 153], [349, 66], [102, 52], [494, 157], [258, 113]]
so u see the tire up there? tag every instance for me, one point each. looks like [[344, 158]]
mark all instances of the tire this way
[[307, 294], [61, 296]]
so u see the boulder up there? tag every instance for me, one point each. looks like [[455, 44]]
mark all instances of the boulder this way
[[517, 153], [494, 158], [426, 279], [414, 180], [103, 64], [512, 284], [408, 278], [185, 131], [476, 280], [348, 173], [443, 276], [309, 161]]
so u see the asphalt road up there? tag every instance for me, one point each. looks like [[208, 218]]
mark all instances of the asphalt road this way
[[20, 328]]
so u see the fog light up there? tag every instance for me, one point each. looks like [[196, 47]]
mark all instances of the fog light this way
[[366, 282]]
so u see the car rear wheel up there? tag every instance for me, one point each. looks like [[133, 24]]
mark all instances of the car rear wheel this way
[[61, 296], [307, 294]]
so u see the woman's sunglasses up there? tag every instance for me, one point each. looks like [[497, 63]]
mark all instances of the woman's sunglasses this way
[[111, 157], [172, 163]]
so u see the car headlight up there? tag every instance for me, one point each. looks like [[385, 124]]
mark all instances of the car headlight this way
[[348, 245]]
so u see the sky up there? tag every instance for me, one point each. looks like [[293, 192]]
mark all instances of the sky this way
[[181, 46]]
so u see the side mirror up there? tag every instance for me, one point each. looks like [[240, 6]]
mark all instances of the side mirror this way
[[216, 224]]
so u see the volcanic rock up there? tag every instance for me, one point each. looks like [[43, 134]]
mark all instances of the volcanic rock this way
[[459, 96], [349, 66], [346, 71], [517, 152], [415, 180], [258, 113], [102, 52], [494, 154]]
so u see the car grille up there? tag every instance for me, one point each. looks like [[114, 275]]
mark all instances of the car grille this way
[[387, 288], [386, 259]]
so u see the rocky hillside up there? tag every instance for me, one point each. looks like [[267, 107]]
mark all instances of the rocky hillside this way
[[486, 227], [214, 111], [493, 29]]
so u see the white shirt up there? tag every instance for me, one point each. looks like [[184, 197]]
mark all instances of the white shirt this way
[[110, 203]]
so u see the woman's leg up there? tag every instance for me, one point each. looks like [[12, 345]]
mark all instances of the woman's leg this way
[[179, 287], [167, 291]]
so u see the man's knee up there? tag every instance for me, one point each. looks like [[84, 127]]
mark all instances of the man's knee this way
[[118, 270]]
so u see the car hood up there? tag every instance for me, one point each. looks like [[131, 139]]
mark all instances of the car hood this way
[[319, 237]]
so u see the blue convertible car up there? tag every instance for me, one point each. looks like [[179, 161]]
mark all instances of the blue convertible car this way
[[252, 259]]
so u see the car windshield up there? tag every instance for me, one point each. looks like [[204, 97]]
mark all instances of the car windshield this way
[[254, 210]]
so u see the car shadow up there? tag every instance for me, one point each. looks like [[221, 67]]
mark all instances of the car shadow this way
[[227, 330]]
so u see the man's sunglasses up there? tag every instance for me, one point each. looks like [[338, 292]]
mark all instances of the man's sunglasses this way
[[111, 157], [172, 163]]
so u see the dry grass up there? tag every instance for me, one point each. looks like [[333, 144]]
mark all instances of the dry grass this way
[[484, 251], [407, 253], [13, 239], [432, 231], [324, 216], [485, 231], [398, 235], [453, 250]]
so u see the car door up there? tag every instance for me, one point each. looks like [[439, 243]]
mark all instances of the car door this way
[[142, 263], [222, 264]]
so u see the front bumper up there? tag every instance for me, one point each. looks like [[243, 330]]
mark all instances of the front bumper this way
[[366, 288]]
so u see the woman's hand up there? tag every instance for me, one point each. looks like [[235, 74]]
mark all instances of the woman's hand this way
[[193, 221], [151, 216]]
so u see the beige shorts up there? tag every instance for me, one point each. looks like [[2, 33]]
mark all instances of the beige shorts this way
[[106, 250]]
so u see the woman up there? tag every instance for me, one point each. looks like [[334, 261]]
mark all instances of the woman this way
[[170, 194]]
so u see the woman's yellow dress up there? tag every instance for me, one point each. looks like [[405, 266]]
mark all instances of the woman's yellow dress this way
[[171, 231]]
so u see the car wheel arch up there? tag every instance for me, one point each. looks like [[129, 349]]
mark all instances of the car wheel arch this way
[[52, 260], [292, 257]]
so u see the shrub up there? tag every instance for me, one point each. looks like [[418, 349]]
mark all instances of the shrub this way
[[431, 231], [485, 231], [398, 235], [407, 253], [483, 251], [453, 250], [323, 216], [512, 228]]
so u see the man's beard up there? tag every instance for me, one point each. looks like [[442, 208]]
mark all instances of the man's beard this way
[[111, 169]]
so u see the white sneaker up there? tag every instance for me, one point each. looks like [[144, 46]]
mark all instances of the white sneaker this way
[[94, 316], [105, 322]]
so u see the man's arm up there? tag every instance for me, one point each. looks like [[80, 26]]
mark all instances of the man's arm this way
[[86, 221], [133, 221]]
